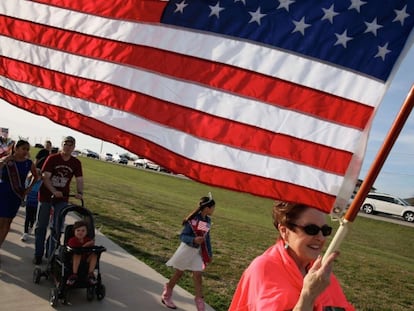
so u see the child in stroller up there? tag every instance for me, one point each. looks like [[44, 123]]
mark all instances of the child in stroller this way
[[64, 260], [81, 239]]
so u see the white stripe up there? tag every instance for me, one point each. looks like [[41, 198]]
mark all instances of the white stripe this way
[[194, 96], [184, 144], [269, 61]]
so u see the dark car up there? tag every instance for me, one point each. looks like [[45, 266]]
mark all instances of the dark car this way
[[90, 154], [123, 160], [120, 159]]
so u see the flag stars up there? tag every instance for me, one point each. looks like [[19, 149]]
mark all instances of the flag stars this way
[[215, 10], [300, 26], [372, 27], [342, 39], [356, 4], [401, 15], [180, 7], [329, 14], [284, 4], [382, 51], [256, 16], [242, 1]]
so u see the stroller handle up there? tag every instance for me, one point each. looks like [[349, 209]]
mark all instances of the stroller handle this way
[[67, 197], [82, 250]]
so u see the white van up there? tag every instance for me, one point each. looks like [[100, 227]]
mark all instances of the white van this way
[[388, 204]]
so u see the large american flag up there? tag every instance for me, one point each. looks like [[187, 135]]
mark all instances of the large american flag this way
[[269, 97]]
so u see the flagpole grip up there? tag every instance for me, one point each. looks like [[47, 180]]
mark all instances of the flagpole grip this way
[[340, 235]]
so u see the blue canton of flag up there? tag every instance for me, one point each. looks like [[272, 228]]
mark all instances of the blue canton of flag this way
[[364, 36]]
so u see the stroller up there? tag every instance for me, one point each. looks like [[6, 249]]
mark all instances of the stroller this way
[[59, 258]]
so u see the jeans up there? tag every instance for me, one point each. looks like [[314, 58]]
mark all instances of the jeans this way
[[42, 222]]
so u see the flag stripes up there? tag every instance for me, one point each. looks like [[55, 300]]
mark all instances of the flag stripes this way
[[209, 174], [222, 76], [141, 81]]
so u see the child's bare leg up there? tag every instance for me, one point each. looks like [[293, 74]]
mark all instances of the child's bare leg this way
[[175, 278], [76, 259], [92, 260], [197, 278]]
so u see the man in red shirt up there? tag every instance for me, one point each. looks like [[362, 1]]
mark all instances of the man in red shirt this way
[[57, 173]]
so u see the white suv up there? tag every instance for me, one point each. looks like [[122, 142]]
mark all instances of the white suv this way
[[388, 204]]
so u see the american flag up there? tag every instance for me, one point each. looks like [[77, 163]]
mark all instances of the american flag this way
[[269, 97], [203, 226]]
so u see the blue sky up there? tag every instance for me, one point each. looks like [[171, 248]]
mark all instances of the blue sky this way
[[396, 176]]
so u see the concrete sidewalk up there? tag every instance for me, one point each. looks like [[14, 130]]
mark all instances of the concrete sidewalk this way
[[130, 284]]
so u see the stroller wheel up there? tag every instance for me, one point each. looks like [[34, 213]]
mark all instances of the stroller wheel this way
[[53, 297], [100, 291], [37, 273], [89, 293]]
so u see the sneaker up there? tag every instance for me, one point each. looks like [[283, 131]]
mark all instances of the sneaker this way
[[24, 237], [92, 279], [37, 260], [72, 279]]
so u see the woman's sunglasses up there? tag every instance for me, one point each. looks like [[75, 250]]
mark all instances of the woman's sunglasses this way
[[314, 229]]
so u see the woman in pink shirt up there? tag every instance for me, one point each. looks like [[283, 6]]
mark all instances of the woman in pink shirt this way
[[290, 274]]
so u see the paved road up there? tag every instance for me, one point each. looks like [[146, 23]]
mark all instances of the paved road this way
[[130, 284], [388, 218]]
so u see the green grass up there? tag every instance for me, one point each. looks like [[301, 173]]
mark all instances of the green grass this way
[[142, 211]]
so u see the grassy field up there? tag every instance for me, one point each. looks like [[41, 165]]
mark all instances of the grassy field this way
[[142, 211]]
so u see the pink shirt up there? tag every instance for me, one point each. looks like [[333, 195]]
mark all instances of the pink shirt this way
[[273, 282]]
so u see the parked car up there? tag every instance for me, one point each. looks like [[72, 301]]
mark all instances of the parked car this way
[[145, 163], [388, 204], [90, 154], [140, 162], [119, 159], [107, 157]]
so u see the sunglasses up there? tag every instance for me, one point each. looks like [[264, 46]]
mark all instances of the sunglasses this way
[[314, 229]]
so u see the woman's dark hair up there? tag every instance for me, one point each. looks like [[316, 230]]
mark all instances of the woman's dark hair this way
[[285, 213], [204, 202]]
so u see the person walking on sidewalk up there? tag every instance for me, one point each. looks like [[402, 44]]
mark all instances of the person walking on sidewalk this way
[[194, 252], [58, 171], [14, 169], [31, 204], [43, 153]]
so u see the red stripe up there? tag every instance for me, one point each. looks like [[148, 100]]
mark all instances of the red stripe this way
[[221, 76], [207, 174], [184, 119], [142, 10]]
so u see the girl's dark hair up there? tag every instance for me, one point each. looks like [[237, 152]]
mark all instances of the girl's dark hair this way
[[285, 213], [20, 143], [204, 202]]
